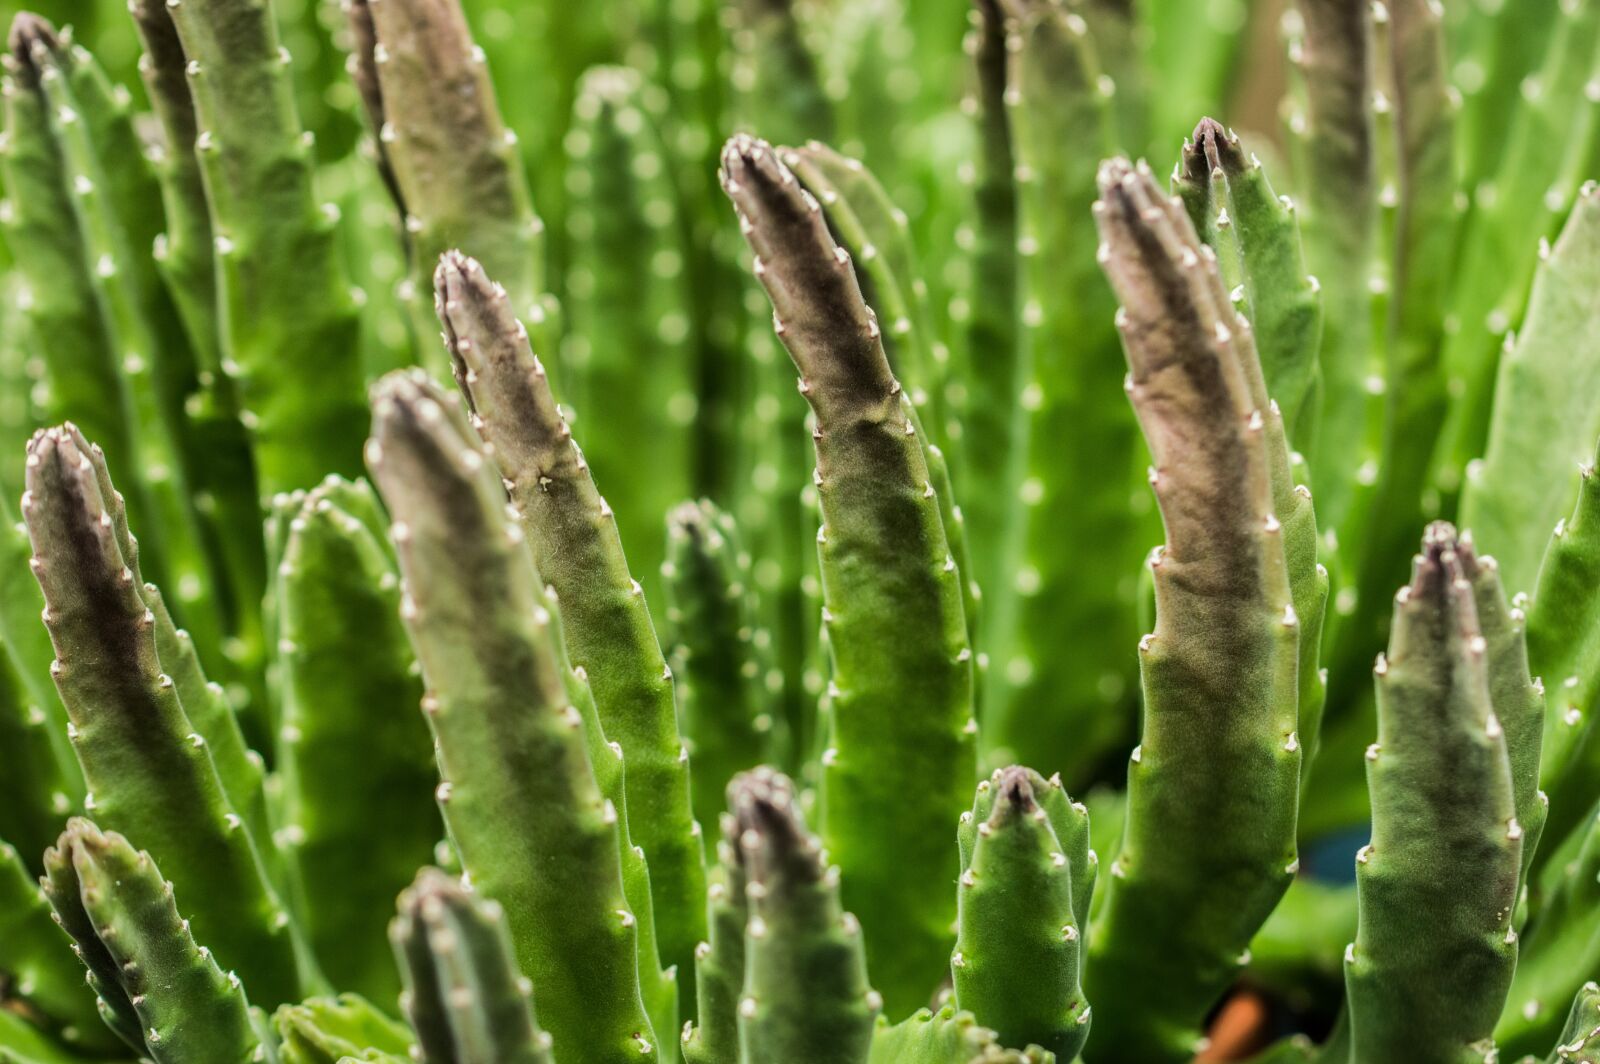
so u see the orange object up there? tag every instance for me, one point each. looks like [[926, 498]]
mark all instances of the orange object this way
[[1238, 1030]]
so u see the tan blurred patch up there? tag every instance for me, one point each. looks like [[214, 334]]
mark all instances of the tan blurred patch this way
[[1239, 1030]]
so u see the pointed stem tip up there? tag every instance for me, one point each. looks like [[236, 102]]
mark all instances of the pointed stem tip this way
[[32, 37]]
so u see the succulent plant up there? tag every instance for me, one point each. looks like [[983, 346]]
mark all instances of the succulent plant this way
[[566, 691]]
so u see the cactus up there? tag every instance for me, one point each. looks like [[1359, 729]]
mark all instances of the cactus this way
[[720, 960], [888, 774], [946, 1036], [296, 366], [572, 532], [1556, 950], [993, 437], [1187, 384], [874, 230], [331, 1030], [1562, 644], [158, 989], [463, 993], [436, 480], [1335, 136], [631, 379], [1578, 1042], [1282, 299], [1554, 953], [1414, 399], [1281, 306], [517, 681], [33, 788], [1441, 779], [50, 980], [721, 658], [349, 691], [151, 772], [1498, 259], [1026, 879], [1500, 500], [118, 356], [427, 93], [805, 988], [1053, 700]]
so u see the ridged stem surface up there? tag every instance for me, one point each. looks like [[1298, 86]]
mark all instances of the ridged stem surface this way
[[151, 772], [1433, 957], [355, 760], [511, 745], [1220, 743], [609, 633], [160, 988], [290, 335], [901, 752], [806, 996], [464, 995], [1026, 879]]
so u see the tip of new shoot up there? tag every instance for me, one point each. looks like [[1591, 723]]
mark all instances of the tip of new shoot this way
[[1218, 147], [403, 389], [95, 854], [505, 385], [457, 275], [761, 787], [468, 305], [59, 458], [89, 840], [413, 415], [609, 85], [1115, 173], [431, 891], [690, 513], [1014, 790], [1440, 585], [1158, 268], [772, 834], [474, 309], [1130, 195], [1475, 566], [468, 301], [31, 38], [1440, 540], [434, 910], [694, 522], [749, 163], [78, 829], [836, 340]]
